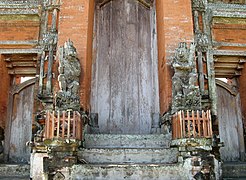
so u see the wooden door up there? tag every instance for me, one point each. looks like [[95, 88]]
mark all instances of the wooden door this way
[[230, 124], [19, 125], [124, 71]]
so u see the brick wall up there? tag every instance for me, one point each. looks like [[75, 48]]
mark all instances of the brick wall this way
[[75, 22], [4, 89], [229, 30], [19, 27], [174, 25]]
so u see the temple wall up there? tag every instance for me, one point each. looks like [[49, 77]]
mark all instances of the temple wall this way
[[76, 23], [174, 25]]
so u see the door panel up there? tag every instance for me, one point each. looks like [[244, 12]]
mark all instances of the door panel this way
[[230, 124], [21, 125], [123, 86]]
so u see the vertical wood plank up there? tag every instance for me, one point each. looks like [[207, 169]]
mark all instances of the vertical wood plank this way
[[188, 123], [183, 121], [52, 125], [63, 124], [68, 124], [74, 124], [199, 123], [58, 124], [228, 125], [194, 123], [47, 123], [21, 125]]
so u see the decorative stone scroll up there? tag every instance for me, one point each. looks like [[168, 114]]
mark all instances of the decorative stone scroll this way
[[50, 40], [185, 92], [202, 42], [198, 5], [69, 72]]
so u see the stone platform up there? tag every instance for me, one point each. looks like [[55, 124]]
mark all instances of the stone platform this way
[[234, 170], [127, 141], [14, 171], [129, 172]]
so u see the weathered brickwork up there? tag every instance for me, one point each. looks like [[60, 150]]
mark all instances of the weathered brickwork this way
[[4, 89], [228, 30], [173, 27], [19, 27], [75, 22]]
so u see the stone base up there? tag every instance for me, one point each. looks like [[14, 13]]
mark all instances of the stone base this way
[[127, 141], [121, 156], [14, 171], [130, 172], [235, 170]]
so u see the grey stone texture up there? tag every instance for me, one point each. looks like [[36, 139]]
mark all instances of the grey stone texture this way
[[121, 156], [130, 172], [127, 141]]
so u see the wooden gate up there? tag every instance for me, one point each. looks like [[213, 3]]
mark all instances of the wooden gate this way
[[125, 70], [230, 123], [19, 125]]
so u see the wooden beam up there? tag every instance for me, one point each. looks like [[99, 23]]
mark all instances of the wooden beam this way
[[230, 71], [21, 51], [226, 65], [22, 71], [33, 42], [229, 53], [21, 64]]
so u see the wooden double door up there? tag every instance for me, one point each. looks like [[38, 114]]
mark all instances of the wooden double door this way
[[125, 69]]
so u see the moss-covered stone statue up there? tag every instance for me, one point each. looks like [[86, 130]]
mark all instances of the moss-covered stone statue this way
[[69, 73], [185, 92]]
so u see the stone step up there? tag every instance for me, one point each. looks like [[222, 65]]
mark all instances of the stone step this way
[[14, 171], [129, 172], [122, 156], [234, 170], [127, 141]]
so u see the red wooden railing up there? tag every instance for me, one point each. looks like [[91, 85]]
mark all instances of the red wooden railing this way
[[188, 124], [63, 125]]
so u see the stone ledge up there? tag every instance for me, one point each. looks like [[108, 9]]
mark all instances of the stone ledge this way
[[124, 156], [130, 172], [234, 170], [127, 141], [14, 170]]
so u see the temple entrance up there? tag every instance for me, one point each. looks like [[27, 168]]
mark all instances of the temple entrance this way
[[230, 123], [125, 71]]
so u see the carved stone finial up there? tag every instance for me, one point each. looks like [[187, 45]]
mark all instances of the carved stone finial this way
[[198, 5], [50, 40], [185, 93], [69, 73], [202, 42]]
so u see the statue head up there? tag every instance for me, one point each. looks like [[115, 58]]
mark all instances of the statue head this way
[[70, 50], [181, 53]]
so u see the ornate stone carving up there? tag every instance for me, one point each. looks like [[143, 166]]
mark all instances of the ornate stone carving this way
[[69, 72], [202, 42], [50, 40], [185, 93], [198, 5]]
